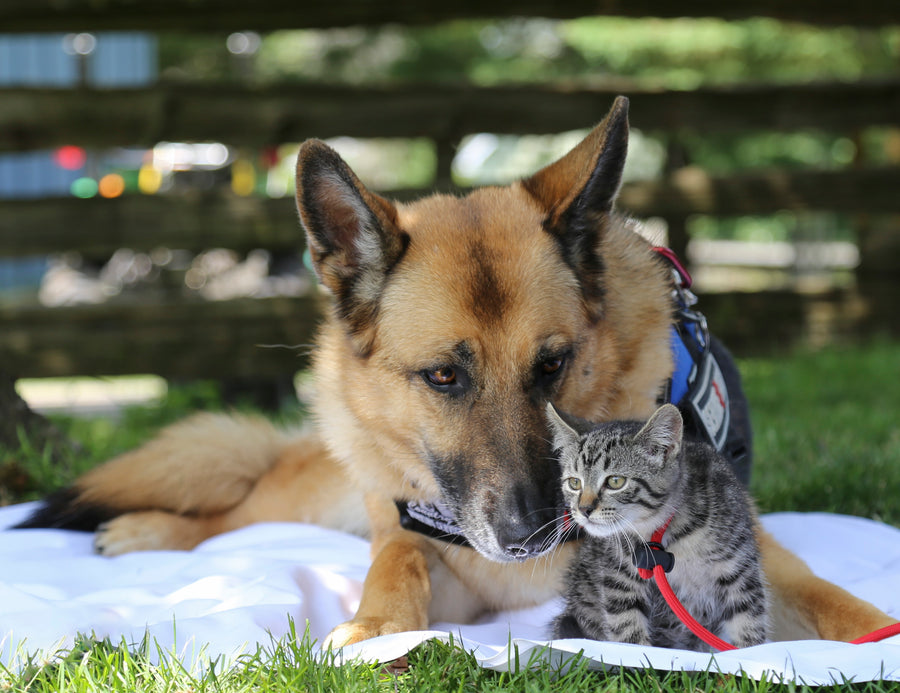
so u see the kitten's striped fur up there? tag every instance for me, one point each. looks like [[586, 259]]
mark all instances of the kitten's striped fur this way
[[622, 481]]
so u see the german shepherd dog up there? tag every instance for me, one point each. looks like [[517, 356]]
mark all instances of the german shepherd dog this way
[[454, 321]]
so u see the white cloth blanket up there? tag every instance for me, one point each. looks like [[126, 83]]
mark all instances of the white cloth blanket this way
[[243, 588]]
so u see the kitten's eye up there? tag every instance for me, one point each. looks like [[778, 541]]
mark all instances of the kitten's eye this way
[[574, 483], [615, 482]]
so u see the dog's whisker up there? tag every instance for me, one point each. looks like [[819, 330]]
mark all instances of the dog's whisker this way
[[553, 542]]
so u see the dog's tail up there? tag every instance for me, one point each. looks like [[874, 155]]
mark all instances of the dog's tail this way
[[202, 465]]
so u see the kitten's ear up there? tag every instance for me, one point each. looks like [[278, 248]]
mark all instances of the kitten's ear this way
[[563, 433], [661, 435]]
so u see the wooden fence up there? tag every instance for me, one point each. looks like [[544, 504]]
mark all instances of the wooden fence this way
[[32, 118], [214, 220], [227, 340], [238, 338], [268, 15]]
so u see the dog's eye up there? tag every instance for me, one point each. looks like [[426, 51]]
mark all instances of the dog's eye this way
[[450, 380], [552, 366], [441, 377]]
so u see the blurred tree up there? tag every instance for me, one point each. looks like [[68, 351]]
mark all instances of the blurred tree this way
[[675, 54], [627, 53]]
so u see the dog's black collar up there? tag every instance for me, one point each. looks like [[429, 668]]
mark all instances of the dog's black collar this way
[[434, 520], [696, 387]]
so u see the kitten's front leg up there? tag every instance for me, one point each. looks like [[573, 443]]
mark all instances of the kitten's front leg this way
[[633, 629], [746, 619], [567, 626], [629, 619], [749, 625], [619, 613]]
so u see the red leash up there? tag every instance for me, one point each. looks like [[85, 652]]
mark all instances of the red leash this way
[[655, 562], [880, 634]]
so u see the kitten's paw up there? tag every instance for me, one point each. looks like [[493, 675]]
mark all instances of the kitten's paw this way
[[567, 626]]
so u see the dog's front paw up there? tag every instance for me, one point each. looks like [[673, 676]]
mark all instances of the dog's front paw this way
[[360, 629]]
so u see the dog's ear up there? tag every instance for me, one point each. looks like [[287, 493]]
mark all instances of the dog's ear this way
[[352, 235], [577, 194]]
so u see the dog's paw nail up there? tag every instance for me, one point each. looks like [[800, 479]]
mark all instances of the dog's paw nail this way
[[98, 544]]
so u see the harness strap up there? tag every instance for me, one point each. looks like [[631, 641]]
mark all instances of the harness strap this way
[[697, 386]]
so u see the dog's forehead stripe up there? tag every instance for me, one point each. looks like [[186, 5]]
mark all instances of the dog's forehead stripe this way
[[478, 247], [488, 297], [475, 274]]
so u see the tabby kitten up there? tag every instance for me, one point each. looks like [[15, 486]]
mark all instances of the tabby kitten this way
[[621, 482]]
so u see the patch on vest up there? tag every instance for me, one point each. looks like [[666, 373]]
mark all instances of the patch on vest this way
[[708, 400]]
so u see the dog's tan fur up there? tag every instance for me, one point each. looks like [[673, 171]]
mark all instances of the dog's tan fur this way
[[412, 283]]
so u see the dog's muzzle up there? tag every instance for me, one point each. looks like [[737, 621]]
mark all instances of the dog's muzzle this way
[[515, 540]]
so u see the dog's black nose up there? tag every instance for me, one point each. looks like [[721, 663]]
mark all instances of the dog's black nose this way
[[525, 527], [525, 540], [529, 546], [520, 552]]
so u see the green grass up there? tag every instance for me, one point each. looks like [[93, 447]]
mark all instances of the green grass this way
[[30, 472], [827, 431], [827, 438], [290, 665]]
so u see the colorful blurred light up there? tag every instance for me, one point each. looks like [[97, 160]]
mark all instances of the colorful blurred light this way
[[243, 177], [111, 185], [149, 179], [84, 187], [70, 157]]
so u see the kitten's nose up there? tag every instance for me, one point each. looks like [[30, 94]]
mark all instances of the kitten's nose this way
[[587, 508]]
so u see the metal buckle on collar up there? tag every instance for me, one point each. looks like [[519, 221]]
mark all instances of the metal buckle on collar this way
[[686, 299], [699, 319], [683, 297]]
